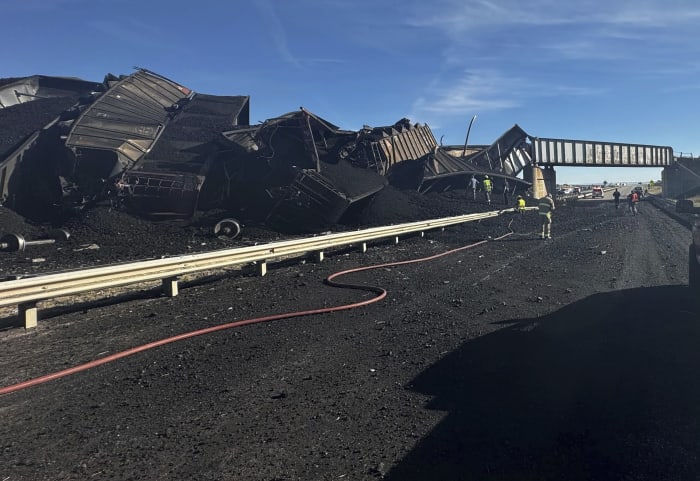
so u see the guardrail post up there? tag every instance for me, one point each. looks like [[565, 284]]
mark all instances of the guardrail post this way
[[396, 240], [262, 268], [29, 314], [318, 256], [422, 233], [170, 286], [363, 247]]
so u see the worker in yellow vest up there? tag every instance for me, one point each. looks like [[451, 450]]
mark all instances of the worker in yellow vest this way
[[520, 204], [488, 187], [545, 207]]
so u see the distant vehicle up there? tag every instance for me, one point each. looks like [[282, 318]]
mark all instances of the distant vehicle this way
[[577, 190], [640, 191], [597, 192]]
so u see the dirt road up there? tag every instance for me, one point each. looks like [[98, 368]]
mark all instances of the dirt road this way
[[518, 359]]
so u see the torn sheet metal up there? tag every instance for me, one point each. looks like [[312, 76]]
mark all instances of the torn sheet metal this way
[[403, 142], [127, 119], [508, 155], [27, 89]]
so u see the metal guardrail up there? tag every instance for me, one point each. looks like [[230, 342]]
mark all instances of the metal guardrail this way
[[26, 292]]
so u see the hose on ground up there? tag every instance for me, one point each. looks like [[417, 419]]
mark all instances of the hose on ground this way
[[380, 294]]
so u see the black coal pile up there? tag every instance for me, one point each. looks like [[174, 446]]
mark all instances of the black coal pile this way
[[395, 206], [12, 222], [17, 122], [106, 235]]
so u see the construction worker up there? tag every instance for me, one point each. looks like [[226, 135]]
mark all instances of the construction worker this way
[[473, 184], [506, 191], [520, 204], [634, 200], [545, 207], [488, 187]]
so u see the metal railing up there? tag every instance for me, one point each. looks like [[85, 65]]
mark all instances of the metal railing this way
[[26, 292]]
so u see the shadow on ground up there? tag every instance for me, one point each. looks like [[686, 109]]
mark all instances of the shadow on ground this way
[[607, 388]]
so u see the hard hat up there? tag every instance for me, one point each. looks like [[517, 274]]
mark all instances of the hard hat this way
[[486, 177]]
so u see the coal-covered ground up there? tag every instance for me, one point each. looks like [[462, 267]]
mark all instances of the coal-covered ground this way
[[515, 359], [104, 235]]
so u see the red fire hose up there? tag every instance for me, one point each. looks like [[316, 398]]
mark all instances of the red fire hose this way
[[381, 294]]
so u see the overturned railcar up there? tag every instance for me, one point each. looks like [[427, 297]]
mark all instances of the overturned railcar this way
[[35, 114], [299, 160], [161, 150], [150, 142]]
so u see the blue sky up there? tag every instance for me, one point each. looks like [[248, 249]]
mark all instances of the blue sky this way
[[618, 71]]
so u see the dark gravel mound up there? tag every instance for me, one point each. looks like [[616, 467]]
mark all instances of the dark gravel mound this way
[[395, 206], [10, 221], [352, 181], [17, 122]]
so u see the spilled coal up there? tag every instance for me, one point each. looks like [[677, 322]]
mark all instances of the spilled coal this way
[[105, 235]]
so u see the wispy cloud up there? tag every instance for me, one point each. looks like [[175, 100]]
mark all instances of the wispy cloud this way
[[580, 49], [276, 31], [479, 91], [474, 91], [656, 14], [573, 30], [457, 16], [529, 50]]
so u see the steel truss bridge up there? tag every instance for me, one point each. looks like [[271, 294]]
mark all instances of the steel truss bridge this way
[[582, 153]]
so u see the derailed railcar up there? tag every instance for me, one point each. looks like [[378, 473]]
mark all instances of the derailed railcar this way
[[35, 115], [161, 150], [306, 181], [124, 145]]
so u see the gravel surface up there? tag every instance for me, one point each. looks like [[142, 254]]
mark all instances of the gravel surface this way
[[517, 359]]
